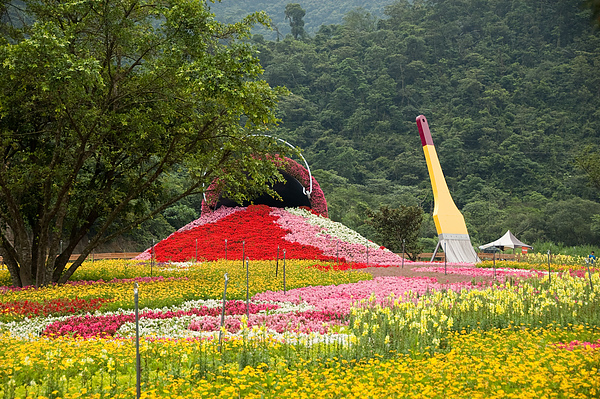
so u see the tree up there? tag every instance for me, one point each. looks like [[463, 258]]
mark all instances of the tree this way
[[594, 6], [100, 101], [571, 222], [398, 226], [294, 12], [359, 20], [589, 162]]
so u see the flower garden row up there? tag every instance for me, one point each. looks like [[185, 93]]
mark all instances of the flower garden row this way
[[499, 363], [299, 328], [330, 333]]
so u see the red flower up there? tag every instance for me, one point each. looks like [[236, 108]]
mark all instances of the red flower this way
[[54, 307], [252, 233]]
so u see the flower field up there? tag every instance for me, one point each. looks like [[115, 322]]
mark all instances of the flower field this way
[[301, 328], [330, 334]]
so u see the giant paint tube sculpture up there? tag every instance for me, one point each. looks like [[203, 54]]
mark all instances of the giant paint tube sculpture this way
[[449, 222]]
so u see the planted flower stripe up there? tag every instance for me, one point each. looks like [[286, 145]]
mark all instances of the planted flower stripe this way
[[499, 363], [114, 294], [538, 262], [341, 298], [478, 272], [306, 322], [55, 307], [103, 326], [577, 344]]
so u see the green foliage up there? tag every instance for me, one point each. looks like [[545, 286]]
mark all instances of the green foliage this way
[[180, 215], [100, 103], [542, 247], [511, 125], [594, 5], [589, 161], [569, 222], [319, 13], [295, 14], [398, 229], [510, 90]]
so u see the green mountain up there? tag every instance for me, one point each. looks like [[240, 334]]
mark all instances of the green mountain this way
[[318, 12], [511, 90]]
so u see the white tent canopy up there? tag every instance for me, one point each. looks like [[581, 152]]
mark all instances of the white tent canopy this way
[[508, 240]]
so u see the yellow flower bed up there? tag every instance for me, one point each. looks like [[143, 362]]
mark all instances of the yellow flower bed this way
[[539, 261], [564, 300], [501, 363], [555, 259]]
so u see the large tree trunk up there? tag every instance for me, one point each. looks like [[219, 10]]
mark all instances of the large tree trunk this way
[[33, 267]]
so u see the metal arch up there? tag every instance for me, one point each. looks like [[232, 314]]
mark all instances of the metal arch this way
[[308, 194]]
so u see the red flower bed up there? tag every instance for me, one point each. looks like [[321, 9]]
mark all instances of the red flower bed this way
[[54, 307], [253, 231]]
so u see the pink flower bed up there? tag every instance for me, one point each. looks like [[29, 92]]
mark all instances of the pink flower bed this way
[[578, 344], [339, 298], [299, 322], [441, 264], [479, 272]]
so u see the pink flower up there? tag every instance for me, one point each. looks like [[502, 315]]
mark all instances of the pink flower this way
[[479, 272], [339, 298]]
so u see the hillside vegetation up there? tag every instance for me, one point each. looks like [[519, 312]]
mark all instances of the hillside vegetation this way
[[318, 12], [511, 90]]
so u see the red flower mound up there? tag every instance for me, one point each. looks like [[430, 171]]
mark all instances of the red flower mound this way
[[253, 232]]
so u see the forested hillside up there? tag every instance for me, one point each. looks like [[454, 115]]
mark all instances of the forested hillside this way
[[318, 12], [511, 90]]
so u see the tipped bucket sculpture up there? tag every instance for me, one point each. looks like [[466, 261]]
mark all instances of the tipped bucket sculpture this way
[[450, 224], [300, 188]]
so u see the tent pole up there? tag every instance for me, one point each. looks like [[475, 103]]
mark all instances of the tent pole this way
[[435, 252]]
